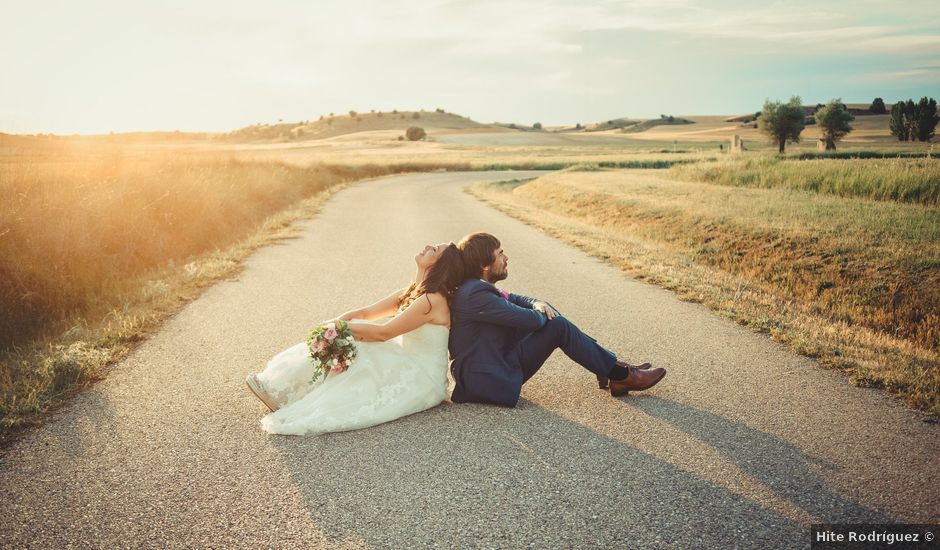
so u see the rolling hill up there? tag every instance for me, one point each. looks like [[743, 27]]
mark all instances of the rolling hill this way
[[328, 126]]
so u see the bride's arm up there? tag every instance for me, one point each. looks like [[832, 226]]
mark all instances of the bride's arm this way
[[383, 308], [415, 315]]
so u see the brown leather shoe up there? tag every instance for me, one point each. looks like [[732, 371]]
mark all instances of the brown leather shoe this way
[[637, 380], [602, 381]]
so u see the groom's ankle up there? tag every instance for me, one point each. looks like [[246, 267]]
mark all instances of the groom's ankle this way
[[618, 373]]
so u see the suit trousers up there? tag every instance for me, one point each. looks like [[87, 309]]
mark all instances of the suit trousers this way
[[532, 350]]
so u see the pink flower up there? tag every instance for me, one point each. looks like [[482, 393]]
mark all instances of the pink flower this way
[[330, 333]]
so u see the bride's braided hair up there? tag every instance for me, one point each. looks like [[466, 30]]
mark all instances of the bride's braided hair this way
[[444, 276]]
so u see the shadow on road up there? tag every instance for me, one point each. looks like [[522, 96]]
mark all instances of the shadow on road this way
[[778, 464], [486, 476]]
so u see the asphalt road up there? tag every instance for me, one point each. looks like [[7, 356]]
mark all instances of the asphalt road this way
[[744, 443]]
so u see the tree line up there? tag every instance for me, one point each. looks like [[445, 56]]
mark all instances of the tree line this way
[[914, 121], [784, 122]]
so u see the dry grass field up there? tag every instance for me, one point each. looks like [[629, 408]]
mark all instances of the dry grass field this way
[[850, 281], [897, 179], [99, 242], [101, 237]]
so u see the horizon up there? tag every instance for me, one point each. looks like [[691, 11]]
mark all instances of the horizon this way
[[218, 67]]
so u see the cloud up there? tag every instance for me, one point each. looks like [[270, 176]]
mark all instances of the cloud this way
[[917, 74]]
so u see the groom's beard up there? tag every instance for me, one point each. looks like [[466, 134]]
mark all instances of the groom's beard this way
[[494, 278]]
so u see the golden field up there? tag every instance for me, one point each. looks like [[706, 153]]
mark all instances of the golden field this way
[[99, 242], [102, 237], [850, 281]]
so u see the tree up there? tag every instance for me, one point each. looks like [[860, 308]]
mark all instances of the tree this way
[[926, 117], [898, 123], [783, 122], [415, 133], [352, 114], [911, 119], [537, 126], [878, 106], [833, 119], [914, 121]]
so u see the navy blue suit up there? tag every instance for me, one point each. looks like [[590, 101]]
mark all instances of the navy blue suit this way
[[498, 344]]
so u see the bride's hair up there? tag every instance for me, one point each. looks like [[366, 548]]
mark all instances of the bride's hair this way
[[444, 276]]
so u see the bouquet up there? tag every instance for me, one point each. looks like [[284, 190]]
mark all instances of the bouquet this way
[[331, 348]]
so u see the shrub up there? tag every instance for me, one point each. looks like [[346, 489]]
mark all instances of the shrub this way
[[537, 125], [416, 115], [414, 133], [878, 107]]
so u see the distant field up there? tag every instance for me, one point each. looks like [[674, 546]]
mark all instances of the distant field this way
[[853, 282], [905, 180]]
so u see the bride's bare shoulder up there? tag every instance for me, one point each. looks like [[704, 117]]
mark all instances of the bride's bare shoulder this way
[[437, 296]]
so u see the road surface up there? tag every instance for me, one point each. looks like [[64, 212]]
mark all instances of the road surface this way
[[744, 444]]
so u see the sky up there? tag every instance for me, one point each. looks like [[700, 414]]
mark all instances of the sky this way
[[97, 66]]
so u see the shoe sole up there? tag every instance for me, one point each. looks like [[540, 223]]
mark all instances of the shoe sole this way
[[627, 392], [259, 393]]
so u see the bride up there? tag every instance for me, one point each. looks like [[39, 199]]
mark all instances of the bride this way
[[400, 366]]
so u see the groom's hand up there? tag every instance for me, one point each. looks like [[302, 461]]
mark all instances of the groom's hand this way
[[549, 312]]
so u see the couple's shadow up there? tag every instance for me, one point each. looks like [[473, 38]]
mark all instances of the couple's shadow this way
[[477, 475]]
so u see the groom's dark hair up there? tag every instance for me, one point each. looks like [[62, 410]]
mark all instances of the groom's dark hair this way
[[477, 251]]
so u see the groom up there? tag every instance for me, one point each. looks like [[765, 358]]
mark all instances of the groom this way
[[499, 340]]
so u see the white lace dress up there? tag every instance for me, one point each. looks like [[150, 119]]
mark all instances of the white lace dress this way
[[387, 380]]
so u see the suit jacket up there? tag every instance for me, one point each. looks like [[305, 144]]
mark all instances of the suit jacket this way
[[484, 327]]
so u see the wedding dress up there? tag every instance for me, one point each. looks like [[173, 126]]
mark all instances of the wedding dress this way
[[387, 380]]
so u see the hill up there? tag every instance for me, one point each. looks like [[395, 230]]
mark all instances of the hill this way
[[352, 122], [663, 120]]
